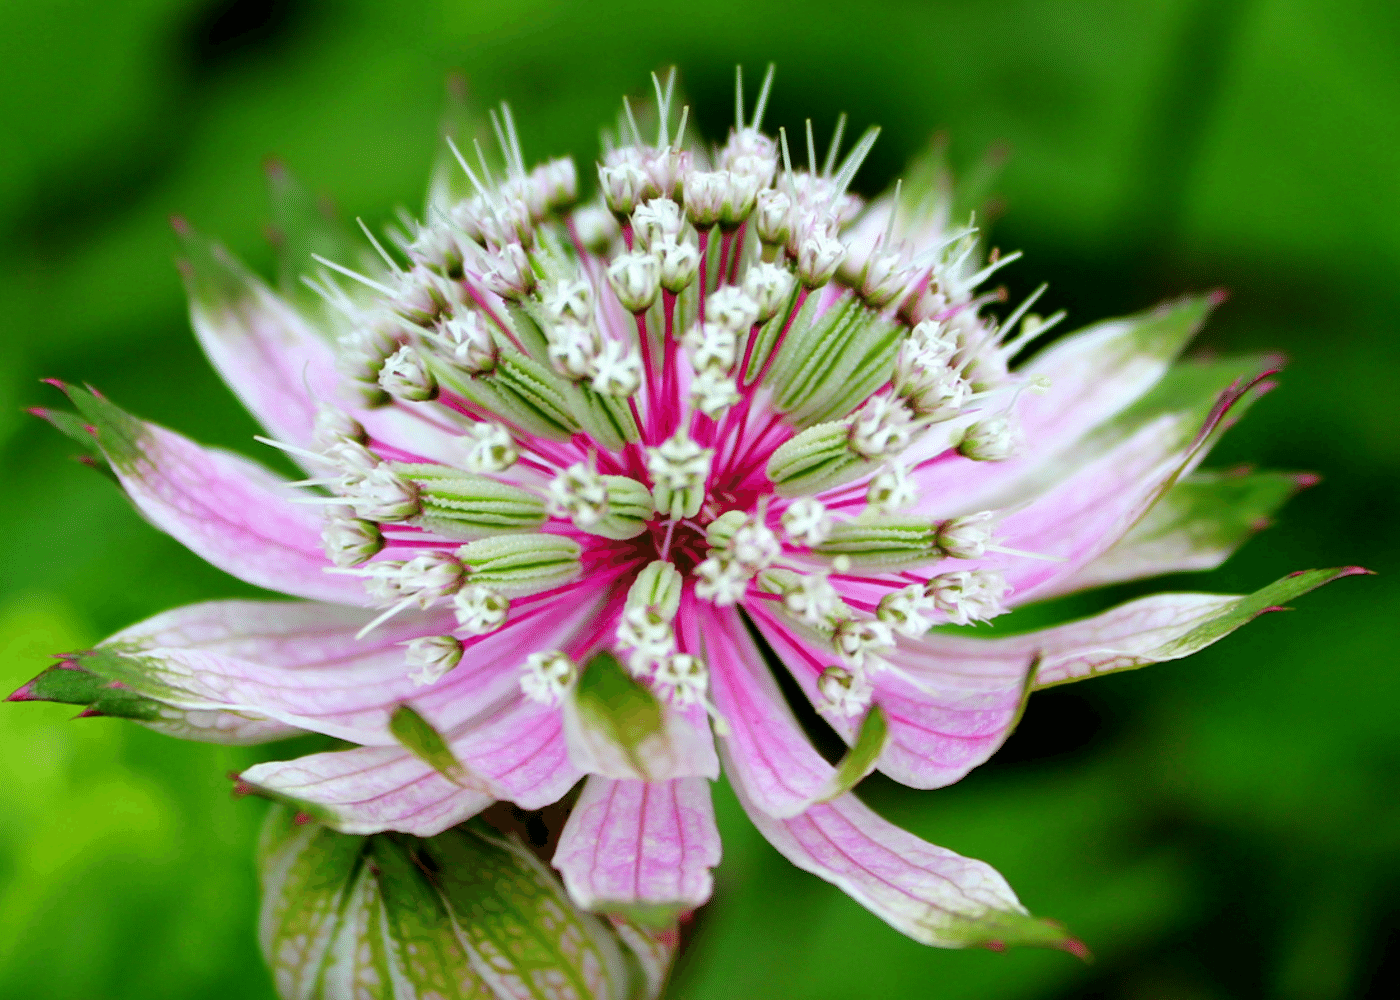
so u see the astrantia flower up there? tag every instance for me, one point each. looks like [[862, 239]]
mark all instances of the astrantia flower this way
[[571, 467]]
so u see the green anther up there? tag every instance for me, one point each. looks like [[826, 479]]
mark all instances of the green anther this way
[[658, 587], [520, 390], [606, 419], [722, 529], [529, 323], [810, 349], [461, 505], [629, 509], [513, 565], [767, 336], [867, 362], [816, 459], [884, 543]]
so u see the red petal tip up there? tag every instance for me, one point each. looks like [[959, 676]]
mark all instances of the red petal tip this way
[[181, 225], [1260, 523], [1356, 571], [1306, 480], [89, 713], [57, 383], [1274, 607], [275, 168], [25, 692], [1078, 949], [997, 946], [301, 818], [241, 788], [1218, 297]]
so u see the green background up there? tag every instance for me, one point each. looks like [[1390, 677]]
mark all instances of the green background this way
[[1223, 827]]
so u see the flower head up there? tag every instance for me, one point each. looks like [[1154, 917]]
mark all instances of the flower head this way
[[587, 461]]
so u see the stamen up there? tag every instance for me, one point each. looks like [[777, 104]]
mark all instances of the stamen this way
[[763, 91]]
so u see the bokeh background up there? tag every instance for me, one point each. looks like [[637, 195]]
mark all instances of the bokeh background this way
[[1222, 827]]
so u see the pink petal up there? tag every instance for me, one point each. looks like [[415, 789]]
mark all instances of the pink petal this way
[[234, 514], [780, 767], [637, 842], [370, 789], [1094, 374], [518, 753], [929, 893]]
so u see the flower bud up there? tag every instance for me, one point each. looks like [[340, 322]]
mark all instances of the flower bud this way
[[682, 679], [569, 299], [891, 489], [350, 541], [334, 425], [547, 677], [622, 186], [906, 610], [574, 349], [818, 256], [480, 610], [858, 640], [555, 184], [773, 217], [844, 692], [705, 191], [990, 440], [964, 537], [679, 468], [721, 581], [406, 376], [680, 262], [882, 427], [596, 227], [380, 495], [658, 586], [521, 564], [731, 308], [657, 221], [769, 286], [741, 191], [488, 447], [419, 298], [636, 279], [432, 656], [806, 522], [968, 596], [712, 345], [617, 370], [712, 392], [508, 272], [468, 342]]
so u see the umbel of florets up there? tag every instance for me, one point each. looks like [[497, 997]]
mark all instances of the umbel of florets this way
[[574, 465]]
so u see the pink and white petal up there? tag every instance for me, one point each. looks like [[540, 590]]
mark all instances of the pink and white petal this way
[[369, 790], [943, 718], [933, 895], [1149, 630], [518, 753], [1094, 375], [781, 768], [636, 843], [681, 748], [1196, 526], [230, 511]]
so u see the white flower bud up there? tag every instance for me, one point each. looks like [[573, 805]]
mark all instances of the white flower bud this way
[[679, 468], [773, 217], [751, 153], [859, 640], [844, 692], [664, 169], [554, 185], [579, 494], [334, 425], [806, 522], [769, 286], [812, 599], [930, 347], [705, 192], [818, 257], [883, 427], [362, 352], [487, 447], [682, 679], [623, 186], [740, 194], [712, 392], [712, 345], [969, 595], [406, 376], [636, 279], [992, 440], [428, 577], [419, 297], [891, 489], [964, 537], [380, 495], [432, 656], [546, 677], [467, 339], [648, 635], [569, 299], [617, 370], [573, 349], [720, 580], [480, 610], [754, 546], [937, 394], [508, 272], [658, 221], [884, 278], [907, 611], [596, 227], [680, 262], [350, 541], [732, 308]]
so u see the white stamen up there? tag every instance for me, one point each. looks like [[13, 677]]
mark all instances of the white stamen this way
[[546, 677]]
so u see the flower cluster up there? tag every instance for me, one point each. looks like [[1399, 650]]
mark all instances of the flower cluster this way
[[571, 466]]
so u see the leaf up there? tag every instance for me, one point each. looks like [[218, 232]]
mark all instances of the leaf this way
[[860, 759], [418, 735], [466, 914], [618, 707]]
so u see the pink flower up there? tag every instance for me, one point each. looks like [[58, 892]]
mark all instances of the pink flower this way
[[571, 468]]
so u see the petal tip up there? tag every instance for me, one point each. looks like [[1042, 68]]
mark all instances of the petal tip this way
[[25, 692]]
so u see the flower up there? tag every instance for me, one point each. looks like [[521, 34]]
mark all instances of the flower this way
[[572, 466]]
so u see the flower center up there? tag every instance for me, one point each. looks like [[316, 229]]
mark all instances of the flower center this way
[[680, 542]]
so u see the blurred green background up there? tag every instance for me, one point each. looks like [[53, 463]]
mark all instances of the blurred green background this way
[[1223, 827]]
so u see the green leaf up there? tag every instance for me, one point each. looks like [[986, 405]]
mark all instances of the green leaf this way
[[426, 743], [466, 914]]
